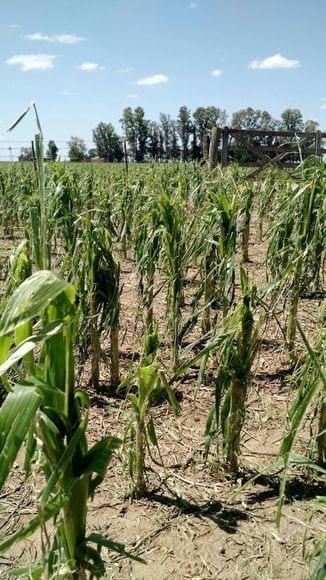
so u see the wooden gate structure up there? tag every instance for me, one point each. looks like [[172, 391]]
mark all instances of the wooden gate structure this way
[[256, 148]]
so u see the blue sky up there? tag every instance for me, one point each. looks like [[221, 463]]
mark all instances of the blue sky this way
[[84, 61]]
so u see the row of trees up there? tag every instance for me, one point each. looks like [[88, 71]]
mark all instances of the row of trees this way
[[169, 139]]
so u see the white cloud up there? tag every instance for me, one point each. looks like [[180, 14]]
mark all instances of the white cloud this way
[[216, 72], [274, 62], [67, 93], [28, 62], [14, 26], [132, 96], [61, 38], [153, 80], [193, 5], [124, 71], [88, 66], [323, 104]]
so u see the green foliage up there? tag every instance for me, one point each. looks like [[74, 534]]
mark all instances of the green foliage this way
[[141, 432], [52, 151], [108, 143], [96, 275], [312, 390], [77, 149], [45, 408], [237, 349]]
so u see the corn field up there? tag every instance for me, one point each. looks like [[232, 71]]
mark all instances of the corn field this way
[[162, 364]]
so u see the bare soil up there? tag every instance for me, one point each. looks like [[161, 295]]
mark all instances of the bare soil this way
[[190, 525]]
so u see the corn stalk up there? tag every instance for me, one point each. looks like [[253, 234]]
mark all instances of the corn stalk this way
[[151, 384], [238, 344]]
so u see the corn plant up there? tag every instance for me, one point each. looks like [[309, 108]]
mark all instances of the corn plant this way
[[20, 267], [147, 251], [151, 383], [228, 209], [97, 278], [40, 230], [179, 248], [295, 247], [247, 197], [44, 409], [238, 343], [312, 391]]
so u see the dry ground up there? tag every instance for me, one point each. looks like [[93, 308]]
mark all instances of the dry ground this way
[[190, 525]]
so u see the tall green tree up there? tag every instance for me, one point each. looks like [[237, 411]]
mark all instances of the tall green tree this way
[[26, 154], [129, 129], [135, 128], [196, 150], [77, 149], [292, 120], [184, 129], [141, 126], [154, 141], [252, 119], [205, 118], [108, 143], [311, 126], [52, 151], [174, 146], [166, 126]]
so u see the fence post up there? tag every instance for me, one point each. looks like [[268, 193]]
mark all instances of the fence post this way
[[225, 140], [206, 144], [318, 144], [213, 146], [34, 156], [125, 154]]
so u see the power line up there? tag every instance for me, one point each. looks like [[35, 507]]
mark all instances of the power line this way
[[56, 141]]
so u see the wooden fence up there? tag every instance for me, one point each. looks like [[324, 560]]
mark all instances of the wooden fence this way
[[255, 148]]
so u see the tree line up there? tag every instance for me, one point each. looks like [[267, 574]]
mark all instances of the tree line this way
[[168, 139]]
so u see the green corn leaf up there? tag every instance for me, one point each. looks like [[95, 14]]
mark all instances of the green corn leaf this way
[[5, 344], [22, 332], [298, 413], [148, 375], [98, 457], [20, 118], [83, 399], [36, 235], [30, 298], [64, 461], [171, 396], [210, 430], [34, 572], [151, 432], [201, 374], [28, 345], [16, 414], [244, 279], [312, 354], [134, 401], [51, 438], [211, 345], [319, 571], [30, 450], [320, 500]]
